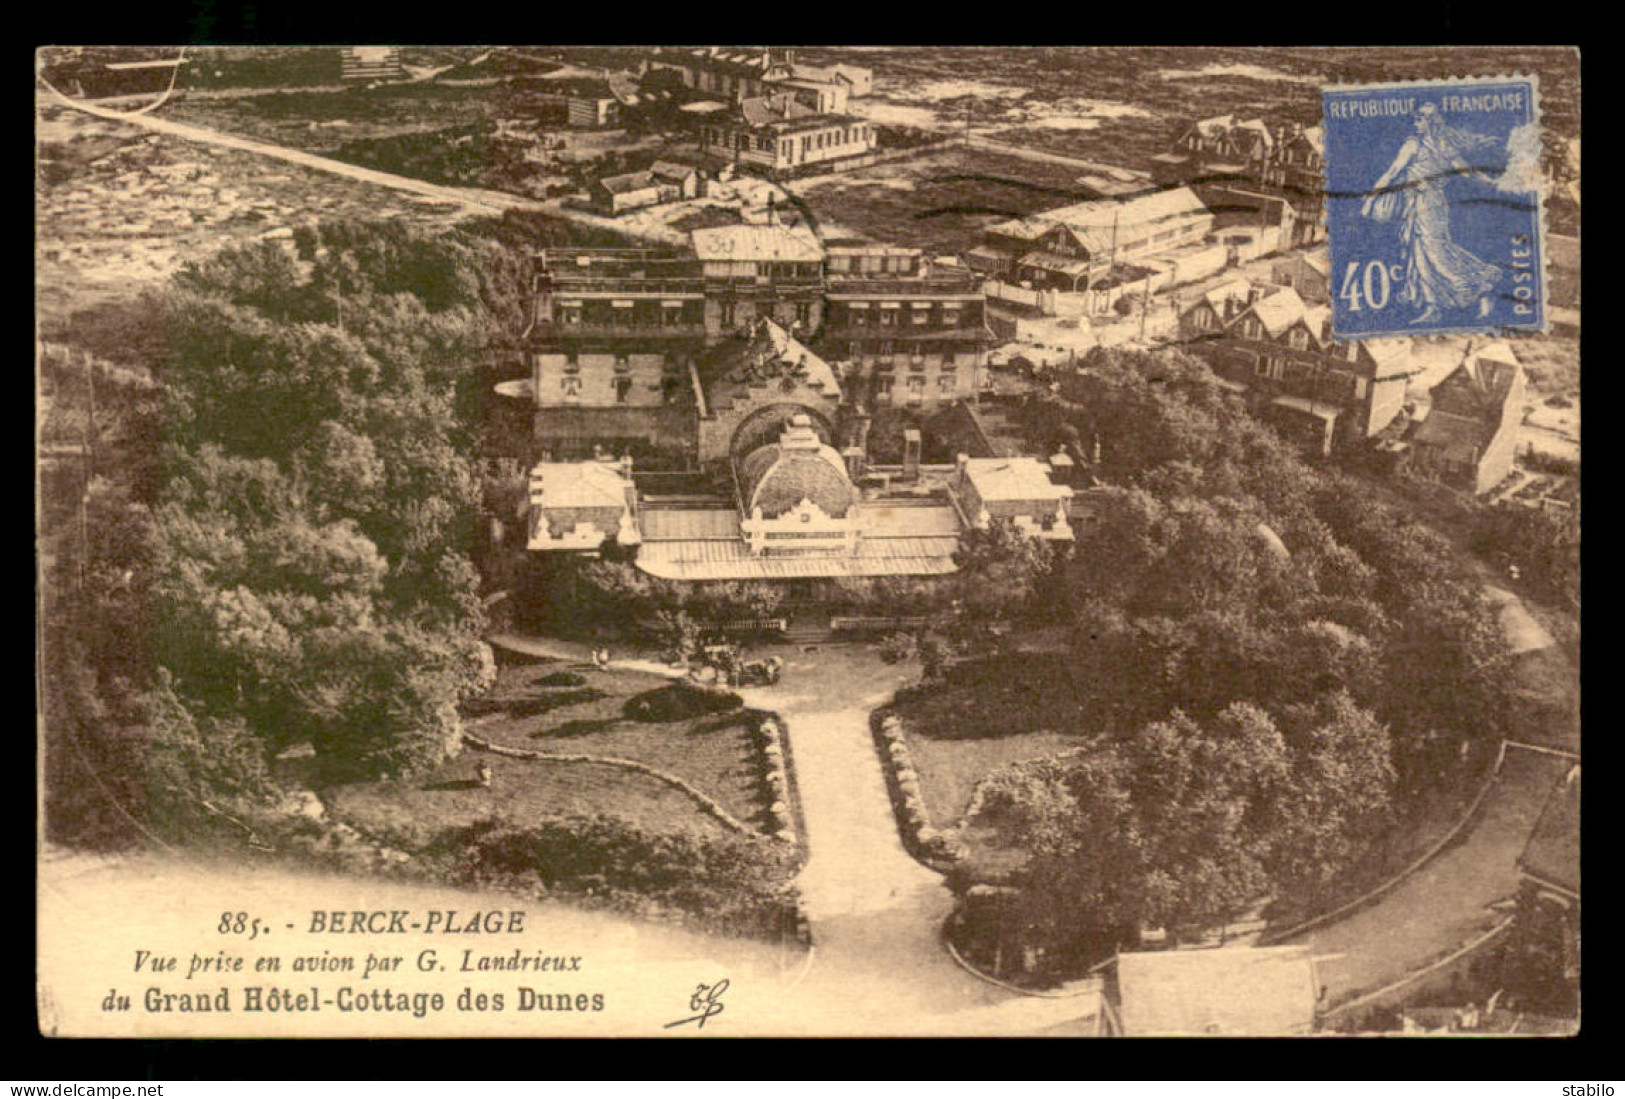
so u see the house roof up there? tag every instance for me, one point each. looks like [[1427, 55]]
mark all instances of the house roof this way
[[1316, 137], [1553, 852], [731, 559], [1027, 228], [782, 107], [776, 478], [1216, 297], [1318, 409], [579, 502], [1012, 479], [1457, 438], [577, 485], [1061, 265], [1228, 991], [1482, 383], [1258, 127], [671, 169], [767, 353], [828, 74], [583, 87], [813, 82], [627, 183], [1100, 216], [756, 242], [686, 524], [1391, 355], [1314, 259], [1279, 311], [882, 519]]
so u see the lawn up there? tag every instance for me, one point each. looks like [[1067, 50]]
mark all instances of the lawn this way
[[951, 769], [409, 813], [711, 751], [988, 715], [993, 699], [574, 710]]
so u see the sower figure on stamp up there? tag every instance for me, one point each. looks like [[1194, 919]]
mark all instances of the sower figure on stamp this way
[[1439, 273]]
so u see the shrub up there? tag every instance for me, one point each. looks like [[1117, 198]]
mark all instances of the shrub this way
[[679, 702], [560, 679], [735, 884], [531, 707], [1542, 462], [896, 647]]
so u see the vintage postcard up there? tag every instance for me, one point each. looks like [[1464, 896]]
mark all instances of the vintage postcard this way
[[690, 541]]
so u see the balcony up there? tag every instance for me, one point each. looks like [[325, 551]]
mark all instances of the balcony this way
[[970, 332], [550, 332], [563, 284], [935, 285]]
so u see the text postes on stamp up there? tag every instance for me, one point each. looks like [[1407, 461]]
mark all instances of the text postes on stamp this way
[[1433, 206]]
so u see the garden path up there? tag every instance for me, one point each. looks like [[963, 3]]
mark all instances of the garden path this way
[[876, 914]]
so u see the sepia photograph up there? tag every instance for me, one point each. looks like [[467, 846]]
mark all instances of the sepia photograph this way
[[807, 541]]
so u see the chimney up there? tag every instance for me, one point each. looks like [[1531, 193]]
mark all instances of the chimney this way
[[911, 455], [960, 462], [853, 456], [860, 430]]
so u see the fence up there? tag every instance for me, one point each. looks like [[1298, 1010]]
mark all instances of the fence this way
[[882, 623], [1042, 300], [828, 169], [750, 626]]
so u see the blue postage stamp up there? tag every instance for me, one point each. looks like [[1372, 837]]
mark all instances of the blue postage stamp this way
[[1433, 207]]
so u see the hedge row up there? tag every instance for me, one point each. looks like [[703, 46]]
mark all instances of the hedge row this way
[[776, 763], [776, 778], [920, 837]]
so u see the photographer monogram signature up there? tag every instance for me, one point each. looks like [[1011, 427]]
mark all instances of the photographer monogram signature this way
[[706, 1002]]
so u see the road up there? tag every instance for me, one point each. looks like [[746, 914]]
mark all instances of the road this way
[[471, 200], [477, 200], [1444, 904]]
